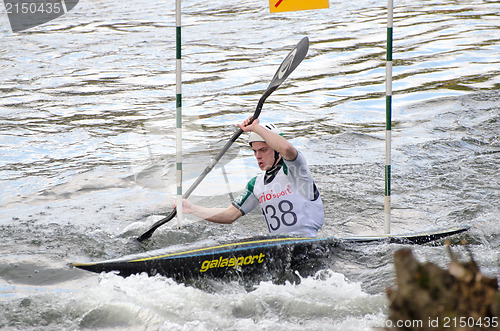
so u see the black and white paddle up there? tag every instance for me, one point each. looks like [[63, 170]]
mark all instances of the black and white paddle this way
[[293, 59]]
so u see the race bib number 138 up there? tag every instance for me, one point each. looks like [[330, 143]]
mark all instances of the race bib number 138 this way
[[282, 216]]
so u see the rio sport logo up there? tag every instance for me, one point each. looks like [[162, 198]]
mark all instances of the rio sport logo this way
[[26, 14]]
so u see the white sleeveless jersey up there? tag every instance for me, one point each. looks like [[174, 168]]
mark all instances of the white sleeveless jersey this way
[[283, 202]]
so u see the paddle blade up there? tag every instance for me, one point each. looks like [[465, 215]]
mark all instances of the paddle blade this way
[[290, 63], [293, 59], [149, 233], [146, 235]]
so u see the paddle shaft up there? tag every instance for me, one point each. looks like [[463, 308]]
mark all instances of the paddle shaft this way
[[285, 69], [186, 195], [205, 172]]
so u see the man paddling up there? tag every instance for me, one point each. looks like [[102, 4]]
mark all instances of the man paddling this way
[[286, 192]]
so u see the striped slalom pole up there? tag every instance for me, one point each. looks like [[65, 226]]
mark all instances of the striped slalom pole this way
[[178, 114], [388, 114]]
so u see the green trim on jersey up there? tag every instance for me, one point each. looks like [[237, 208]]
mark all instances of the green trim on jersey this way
[[285, 168], [246, 193]]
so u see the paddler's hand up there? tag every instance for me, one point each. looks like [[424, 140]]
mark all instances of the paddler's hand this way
[[187, 207], [249, 127]]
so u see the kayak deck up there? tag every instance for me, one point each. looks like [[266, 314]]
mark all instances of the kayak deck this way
[[276, 258], [249, 259]]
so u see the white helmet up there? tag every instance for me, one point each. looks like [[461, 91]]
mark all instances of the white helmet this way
[[253, 137]]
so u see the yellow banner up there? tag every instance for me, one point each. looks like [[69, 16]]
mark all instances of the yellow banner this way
[[276, 6]]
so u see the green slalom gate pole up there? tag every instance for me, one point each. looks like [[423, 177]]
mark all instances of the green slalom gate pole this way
[[388, 112], [178, 115]]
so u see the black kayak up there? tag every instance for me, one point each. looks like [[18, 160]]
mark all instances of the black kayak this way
[[266, 257]]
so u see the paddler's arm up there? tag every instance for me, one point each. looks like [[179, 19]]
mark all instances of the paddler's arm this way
[[273, 140], [217, 215]]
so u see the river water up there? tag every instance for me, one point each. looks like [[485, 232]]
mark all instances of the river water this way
[[87, 151]]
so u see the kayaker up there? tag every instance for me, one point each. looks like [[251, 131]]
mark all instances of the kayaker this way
[[286, 192]]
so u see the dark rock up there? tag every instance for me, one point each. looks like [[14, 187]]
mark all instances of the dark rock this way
[[430, 298]]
